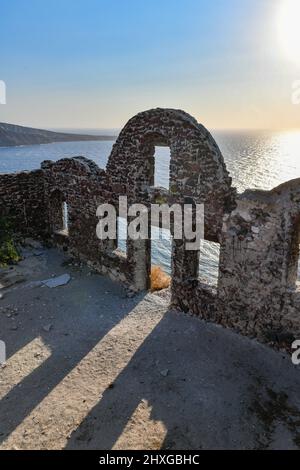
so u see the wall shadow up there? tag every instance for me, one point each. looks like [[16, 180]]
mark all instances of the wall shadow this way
[[81, 314], [205, 401]]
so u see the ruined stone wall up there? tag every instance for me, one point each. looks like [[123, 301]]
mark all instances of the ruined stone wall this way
[[197, 175], [197, 168], [83, 186], [258, 290], [258, 231], [22, 200]]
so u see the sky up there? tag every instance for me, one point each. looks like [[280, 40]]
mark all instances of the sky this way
[[96, 63]]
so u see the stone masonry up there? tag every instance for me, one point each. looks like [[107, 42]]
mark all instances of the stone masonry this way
[[258, 231]]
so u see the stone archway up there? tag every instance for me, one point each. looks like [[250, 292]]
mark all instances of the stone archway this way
[[197, 167], [197, 172]]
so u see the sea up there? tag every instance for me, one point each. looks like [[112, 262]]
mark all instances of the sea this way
[[255, 159]]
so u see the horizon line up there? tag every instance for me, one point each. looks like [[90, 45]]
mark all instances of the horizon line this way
[[118, 128]]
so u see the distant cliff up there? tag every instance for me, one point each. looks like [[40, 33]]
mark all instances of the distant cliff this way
[[11, 135]]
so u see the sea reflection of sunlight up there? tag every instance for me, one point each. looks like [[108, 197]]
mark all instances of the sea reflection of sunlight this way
[[263, 160], [286, 162], [290, 146]]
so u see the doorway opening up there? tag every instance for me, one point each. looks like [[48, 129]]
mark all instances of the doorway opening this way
[[122, 234], [59, 213], [209, 262], [161, 249]]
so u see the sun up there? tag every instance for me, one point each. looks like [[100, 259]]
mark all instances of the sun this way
[[289, 28]]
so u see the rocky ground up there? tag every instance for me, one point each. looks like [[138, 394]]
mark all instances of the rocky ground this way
[[90, 368]]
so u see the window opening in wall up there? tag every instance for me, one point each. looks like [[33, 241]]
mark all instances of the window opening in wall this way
[[122, 234], [162, 158], [209, 262], [65, 218], [59, 218], [161, 248]]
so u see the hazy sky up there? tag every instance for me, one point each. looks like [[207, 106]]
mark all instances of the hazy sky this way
[[95, 63]]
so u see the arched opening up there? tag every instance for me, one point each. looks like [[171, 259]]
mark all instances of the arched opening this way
[[195, 169], [59, 214], [153, 180], [161, 239]]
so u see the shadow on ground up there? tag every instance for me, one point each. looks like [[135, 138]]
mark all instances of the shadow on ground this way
[[220, 391], [129, 373], [69, 320]]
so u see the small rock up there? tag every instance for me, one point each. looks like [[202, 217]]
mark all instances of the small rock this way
[[38, 253], [164, 372], [47, 327], [130, 294], [57, 281]]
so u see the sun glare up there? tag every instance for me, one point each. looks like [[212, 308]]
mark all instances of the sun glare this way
[[289, 28]]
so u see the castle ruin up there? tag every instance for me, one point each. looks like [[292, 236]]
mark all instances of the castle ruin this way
[[258, 231]]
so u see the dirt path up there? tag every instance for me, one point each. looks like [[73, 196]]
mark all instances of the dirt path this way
[[89, 367]]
